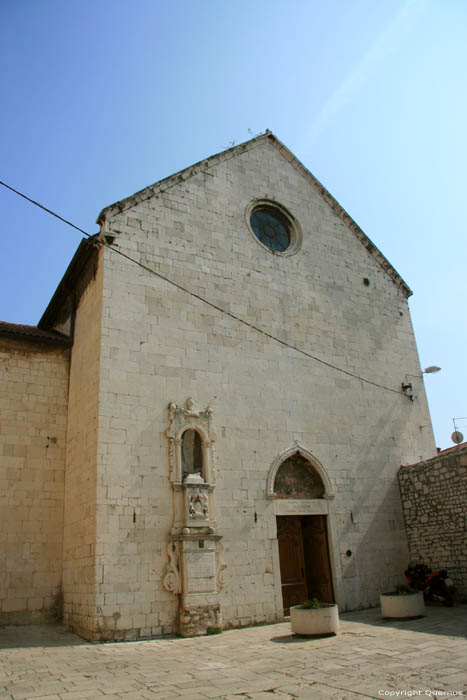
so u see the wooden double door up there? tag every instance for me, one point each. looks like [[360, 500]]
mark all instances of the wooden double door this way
[[304, 559]]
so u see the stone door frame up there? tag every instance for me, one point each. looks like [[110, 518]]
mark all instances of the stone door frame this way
[[298, 507]]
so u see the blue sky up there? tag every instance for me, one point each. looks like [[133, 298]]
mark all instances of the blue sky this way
[[105, 97]]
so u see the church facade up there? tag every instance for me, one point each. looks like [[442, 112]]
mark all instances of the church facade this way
[[205, 428]]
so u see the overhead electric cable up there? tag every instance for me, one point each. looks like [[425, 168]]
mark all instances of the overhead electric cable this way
[[41, 206], [205, 301], [247, 323]]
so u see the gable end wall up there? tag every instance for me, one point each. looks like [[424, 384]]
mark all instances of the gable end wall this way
[[160, 345]]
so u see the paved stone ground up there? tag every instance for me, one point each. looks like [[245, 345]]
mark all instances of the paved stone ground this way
[[370, 658]]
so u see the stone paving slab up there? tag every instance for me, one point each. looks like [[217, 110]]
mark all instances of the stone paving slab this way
[[369, 658]]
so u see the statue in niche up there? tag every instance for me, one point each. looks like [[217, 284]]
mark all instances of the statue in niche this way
[[296, 478], [192, 453]]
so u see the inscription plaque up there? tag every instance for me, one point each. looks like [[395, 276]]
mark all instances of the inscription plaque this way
[[312, 506], [200, 572]]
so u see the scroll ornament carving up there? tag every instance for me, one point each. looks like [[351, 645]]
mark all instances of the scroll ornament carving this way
[[188, 411], [171, 456], [221, 570], [171, 577]]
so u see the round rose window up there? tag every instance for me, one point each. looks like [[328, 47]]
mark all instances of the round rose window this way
[[271, 227]]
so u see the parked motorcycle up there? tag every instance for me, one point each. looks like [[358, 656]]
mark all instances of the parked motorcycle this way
[[436, 585]]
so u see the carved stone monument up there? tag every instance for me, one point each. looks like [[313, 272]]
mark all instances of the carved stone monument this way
[[195, 568]]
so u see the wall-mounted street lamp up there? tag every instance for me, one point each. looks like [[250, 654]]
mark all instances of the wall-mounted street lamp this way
[[407, 387]]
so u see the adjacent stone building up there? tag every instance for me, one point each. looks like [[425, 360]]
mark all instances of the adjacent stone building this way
[[434, 498], [226, 409], [34, 366]]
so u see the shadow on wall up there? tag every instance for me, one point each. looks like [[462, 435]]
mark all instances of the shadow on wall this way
[[377, 562], [372, 528]]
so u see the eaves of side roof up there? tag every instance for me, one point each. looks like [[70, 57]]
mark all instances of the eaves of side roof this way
[[203, 165], [450, 450], [74, 272], [18, 331]]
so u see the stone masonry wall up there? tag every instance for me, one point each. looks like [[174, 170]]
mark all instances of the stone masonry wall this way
[[434, 497], [34, 380], [160, 345], [80, 546]]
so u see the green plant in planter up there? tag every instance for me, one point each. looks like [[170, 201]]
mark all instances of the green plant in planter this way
[[402, 589], [404, 603], [314, 618], [315, 604]]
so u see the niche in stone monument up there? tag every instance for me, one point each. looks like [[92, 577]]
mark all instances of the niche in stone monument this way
[[192, 453]]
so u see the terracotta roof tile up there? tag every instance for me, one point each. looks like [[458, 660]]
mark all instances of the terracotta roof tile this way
[[32, 333], [442, 453], [452, 449]]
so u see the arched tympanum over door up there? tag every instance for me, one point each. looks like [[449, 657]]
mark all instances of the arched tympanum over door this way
[[296, 478], [302, 492]]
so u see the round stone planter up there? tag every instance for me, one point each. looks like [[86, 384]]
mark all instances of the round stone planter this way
[[402, 607], [309, 622]]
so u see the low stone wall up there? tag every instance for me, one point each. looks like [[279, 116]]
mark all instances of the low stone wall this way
[[434, 497]]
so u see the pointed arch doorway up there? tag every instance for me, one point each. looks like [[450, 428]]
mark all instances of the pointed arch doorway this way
[[302, 491]]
